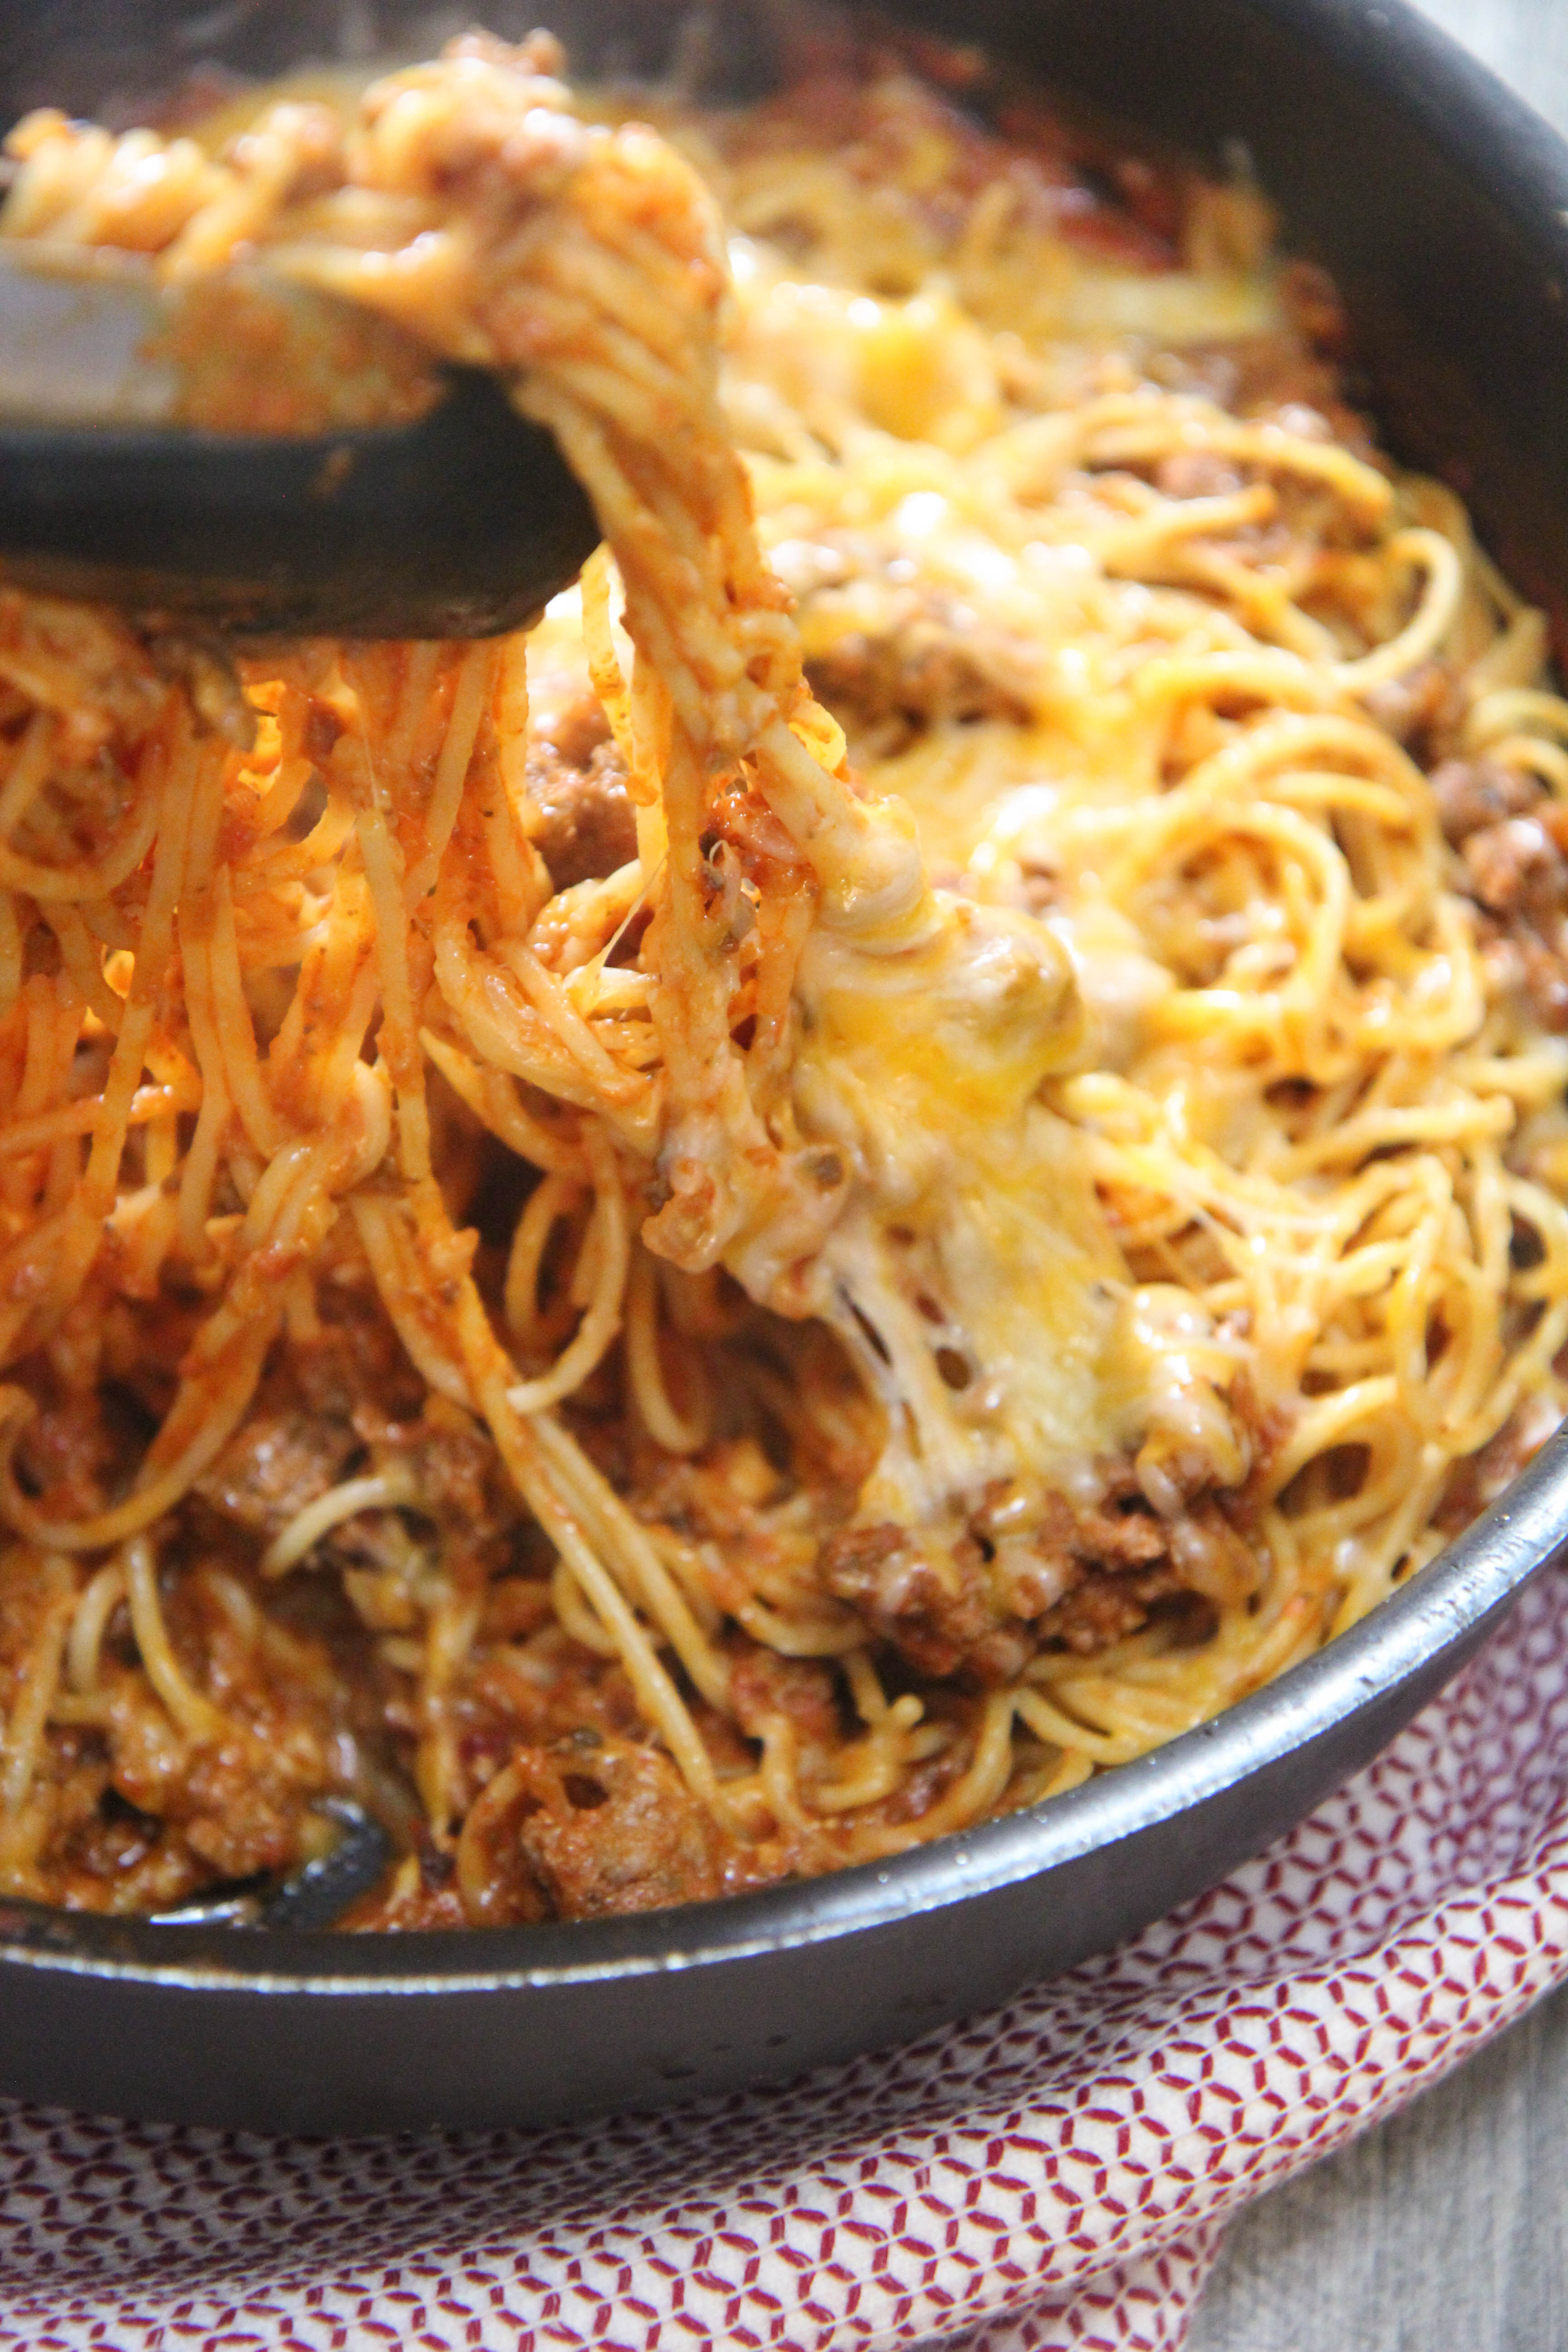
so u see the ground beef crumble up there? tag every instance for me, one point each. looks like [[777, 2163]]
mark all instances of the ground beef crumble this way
[[1084, 1578], [888, 659], [589, 1829], [1512, 843], [585, 825]]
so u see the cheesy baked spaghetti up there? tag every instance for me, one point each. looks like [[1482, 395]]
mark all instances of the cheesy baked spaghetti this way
[[918, 1142]]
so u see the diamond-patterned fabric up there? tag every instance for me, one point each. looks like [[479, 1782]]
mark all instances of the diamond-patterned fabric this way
[[1056, 2175]]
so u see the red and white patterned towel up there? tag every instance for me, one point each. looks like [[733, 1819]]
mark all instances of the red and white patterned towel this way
[[1056, 2175]]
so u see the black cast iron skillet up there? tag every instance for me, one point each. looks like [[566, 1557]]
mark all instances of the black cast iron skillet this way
[[1441, 205]]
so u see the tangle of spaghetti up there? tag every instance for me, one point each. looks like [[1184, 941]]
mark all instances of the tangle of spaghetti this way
[[918, 1143]]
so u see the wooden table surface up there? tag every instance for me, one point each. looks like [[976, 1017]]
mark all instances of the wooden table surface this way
[[1447, 2229]]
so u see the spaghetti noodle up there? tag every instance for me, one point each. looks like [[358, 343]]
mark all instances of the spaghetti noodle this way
[[917, 1144]]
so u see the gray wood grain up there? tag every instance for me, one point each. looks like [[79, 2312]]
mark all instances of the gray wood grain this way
[[1446, 2229], [1443, 2230]]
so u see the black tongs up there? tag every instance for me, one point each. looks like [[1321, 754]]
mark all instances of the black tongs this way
[[462, 523]]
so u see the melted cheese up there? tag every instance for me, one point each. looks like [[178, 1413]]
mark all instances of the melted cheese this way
[[971, 1270], [973, 1276]]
